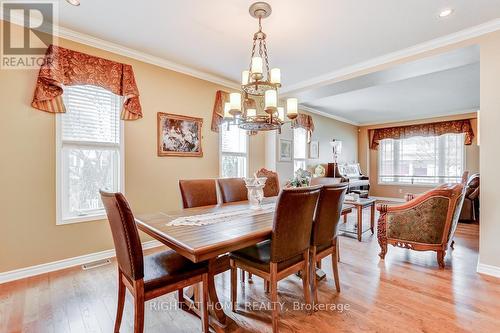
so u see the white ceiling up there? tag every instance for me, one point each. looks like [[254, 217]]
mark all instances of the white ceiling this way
[[306, 38], [452, 91]]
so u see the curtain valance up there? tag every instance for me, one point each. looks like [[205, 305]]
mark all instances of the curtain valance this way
[[306, 122], [67, 67], [221, 97], [430, 129]]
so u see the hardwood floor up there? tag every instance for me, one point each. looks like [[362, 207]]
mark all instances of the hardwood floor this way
[[406, 292]]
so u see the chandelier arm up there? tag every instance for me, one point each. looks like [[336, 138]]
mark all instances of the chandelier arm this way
[[266, 59]]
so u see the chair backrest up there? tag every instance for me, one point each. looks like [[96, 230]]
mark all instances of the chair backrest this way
[[272, 187], [292, 223], [125, 235], [198, 192], [328, 213], [472, 184], [456, 204], [232, 189]]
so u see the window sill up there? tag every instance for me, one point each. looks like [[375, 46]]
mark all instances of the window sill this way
[[81, 219]]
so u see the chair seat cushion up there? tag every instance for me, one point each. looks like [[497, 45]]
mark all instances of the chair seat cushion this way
[[168, 267], [259, 256]]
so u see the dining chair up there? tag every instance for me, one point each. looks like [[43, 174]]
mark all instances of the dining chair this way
[[232, 189], [148, 277], [272, 186], [324, 240], [287, 252], [198, 192]]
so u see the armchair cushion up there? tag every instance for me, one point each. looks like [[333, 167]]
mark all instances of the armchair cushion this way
[[423, 223]]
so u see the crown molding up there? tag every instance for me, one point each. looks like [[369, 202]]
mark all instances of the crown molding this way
[[437, 115], [328, 115], [430, 45], [121, 50]]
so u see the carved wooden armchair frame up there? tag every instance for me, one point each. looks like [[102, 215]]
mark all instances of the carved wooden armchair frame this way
[[454, 193]]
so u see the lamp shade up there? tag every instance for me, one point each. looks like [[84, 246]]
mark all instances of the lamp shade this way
[[256, 65], [245, 75], [292, 106], [227, 108], [235, 100], [275, 75], [271, 98]]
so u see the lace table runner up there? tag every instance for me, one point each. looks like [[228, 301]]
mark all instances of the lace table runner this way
[[216, 217]]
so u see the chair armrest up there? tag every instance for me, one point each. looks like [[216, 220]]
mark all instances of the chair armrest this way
[[474, 195]]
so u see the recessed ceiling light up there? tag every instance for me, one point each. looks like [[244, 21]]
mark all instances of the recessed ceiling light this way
[[446, 12], [73, 2]]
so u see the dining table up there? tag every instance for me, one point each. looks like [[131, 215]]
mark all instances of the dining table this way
[[213, 242]]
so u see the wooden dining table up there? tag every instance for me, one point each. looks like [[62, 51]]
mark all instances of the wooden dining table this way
[[211, 242]]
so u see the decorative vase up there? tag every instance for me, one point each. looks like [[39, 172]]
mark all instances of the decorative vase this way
[[255, 188]]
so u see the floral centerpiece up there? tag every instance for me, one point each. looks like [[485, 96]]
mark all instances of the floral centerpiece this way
[[302, 178]]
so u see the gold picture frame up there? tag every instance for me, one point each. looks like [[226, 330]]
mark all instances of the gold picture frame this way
[[179, 135]]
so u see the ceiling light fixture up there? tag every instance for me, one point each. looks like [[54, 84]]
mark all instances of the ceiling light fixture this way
[[259, 83], [73, 2], [445, 12]]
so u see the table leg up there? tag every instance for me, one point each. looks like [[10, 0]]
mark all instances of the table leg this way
[[345, 218], [216, 307], [360, 222], [372, 218]]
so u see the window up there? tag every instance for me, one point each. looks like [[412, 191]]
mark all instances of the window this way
[[299, 149], [233, 151], [422, 160], [89, 152]]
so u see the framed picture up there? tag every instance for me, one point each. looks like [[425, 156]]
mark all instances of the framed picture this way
[[285, 150], [314, 149], [179, 135]]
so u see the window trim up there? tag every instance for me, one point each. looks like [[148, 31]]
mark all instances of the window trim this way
[[379, 162], [59, 173], [247, 154]]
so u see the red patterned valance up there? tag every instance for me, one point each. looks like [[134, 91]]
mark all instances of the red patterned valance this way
[[67, 67], [305, 121], [430, 129], [221, 97]]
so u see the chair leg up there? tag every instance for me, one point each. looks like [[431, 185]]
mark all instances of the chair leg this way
[[305, 279], [440, 258], [139, 306], [318, 264], [314, 282], [121, 302], [337, 250], [234, 285], [274, 297], [452, 245], [205, 328], [250, 275], [335, 268], [266, 286], [180, 298]]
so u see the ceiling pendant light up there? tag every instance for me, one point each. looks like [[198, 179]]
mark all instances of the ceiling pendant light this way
[[260, 83]]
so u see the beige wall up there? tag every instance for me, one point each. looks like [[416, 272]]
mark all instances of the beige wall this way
[[369, 162], [29, 233], [325, 129]]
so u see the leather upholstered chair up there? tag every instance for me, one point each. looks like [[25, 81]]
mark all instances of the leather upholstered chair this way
[[324, 240], [232, 189], [425, 223], [272, 186], [470, 209], [198, 192], [287, 251], [150, 276]]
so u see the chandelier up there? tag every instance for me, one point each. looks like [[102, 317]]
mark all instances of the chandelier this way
[[259, 83]]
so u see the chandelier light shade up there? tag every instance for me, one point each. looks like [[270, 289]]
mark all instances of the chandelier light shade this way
[[259, 82]]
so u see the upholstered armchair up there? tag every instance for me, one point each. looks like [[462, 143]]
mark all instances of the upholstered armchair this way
[[426, 223], [470, 209]]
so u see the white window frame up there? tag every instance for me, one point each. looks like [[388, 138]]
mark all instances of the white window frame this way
[[396, 183], [222, 154], [60, 173], [305, 150]]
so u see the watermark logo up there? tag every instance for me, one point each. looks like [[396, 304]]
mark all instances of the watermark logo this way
[[28, 28]]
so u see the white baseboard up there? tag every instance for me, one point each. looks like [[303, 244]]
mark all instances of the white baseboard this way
[[65, 263], [488, 269], [388, 199]]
